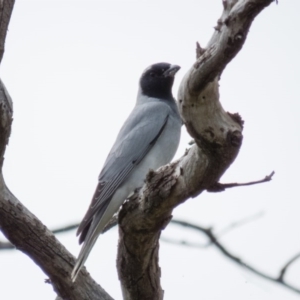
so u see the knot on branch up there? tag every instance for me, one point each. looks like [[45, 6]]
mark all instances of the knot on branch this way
[[235, 138], [159, 183], [146, 206], [209, 141]]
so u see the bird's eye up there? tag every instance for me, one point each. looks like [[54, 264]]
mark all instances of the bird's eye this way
[[162, 70]]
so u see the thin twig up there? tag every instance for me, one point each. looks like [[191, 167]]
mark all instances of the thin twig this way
[[214, 240], [6, 246], [240, 223], [65, 229], [286, 266], [220, 187], [184, 243], [220, 234]]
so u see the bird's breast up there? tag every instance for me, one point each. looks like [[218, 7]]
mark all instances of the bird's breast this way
[[160, 154]]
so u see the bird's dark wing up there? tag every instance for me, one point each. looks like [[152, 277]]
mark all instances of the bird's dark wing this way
[[137, 136]]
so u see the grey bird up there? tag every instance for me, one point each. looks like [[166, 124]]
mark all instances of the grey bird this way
[[148, 139]]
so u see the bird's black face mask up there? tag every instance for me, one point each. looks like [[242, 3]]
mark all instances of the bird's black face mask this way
[[157, 81]]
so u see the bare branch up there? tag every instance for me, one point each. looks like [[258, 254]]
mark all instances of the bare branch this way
[[20, 226], [218, 138], [184, 243], [31, 237], [239, 223], [214, 240], [228, 39], [6, 9], [6, 246], [114, 221], [221, 233], [286, 266], [220, 187]]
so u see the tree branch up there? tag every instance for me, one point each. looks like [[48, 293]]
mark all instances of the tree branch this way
[[113, 222], [214, 240], [31, 237], [239, 223], [218, 138], [6, 246], [6, 9], [220, 187], [20, 226], [286, 266]]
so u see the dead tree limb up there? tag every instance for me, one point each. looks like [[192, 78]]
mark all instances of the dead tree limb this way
[[30, 236], [220, 187], [218, 138], [214, 240], [21, 227], [6, 9]]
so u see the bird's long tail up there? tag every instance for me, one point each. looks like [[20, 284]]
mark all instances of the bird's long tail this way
[[99, 221], [96, 228], [82, 257]]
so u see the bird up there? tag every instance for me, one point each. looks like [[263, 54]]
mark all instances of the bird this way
[[148, 139]]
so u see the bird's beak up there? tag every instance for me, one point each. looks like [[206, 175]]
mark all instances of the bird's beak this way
[[171, 71]]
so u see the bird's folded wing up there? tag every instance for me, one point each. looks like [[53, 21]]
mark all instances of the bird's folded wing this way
[[137, 136]]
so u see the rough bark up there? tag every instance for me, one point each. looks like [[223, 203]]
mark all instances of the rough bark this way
[[6, 8], [218, 137]]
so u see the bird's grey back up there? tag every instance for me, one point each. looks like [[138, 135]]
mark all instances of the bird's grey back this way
[[156, 112]]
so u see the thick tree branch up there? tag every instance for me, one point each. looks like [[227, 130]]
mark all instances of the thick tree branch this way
[[21, 227], [6, 8], [218, 137], [31, 237]]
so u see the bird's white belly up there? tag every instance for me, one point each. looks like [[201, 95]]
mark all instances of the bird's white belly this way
[[160, 154]]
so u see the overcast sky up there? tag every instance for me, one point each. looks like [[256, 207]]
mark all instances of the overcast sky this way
[[72, 69]]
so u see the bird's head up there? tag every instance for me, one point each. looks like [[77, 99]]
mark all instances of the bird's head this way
[[157, 80]]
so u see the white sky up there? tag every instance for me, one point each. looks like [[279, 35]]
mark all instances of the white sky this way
[[72, 69]]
